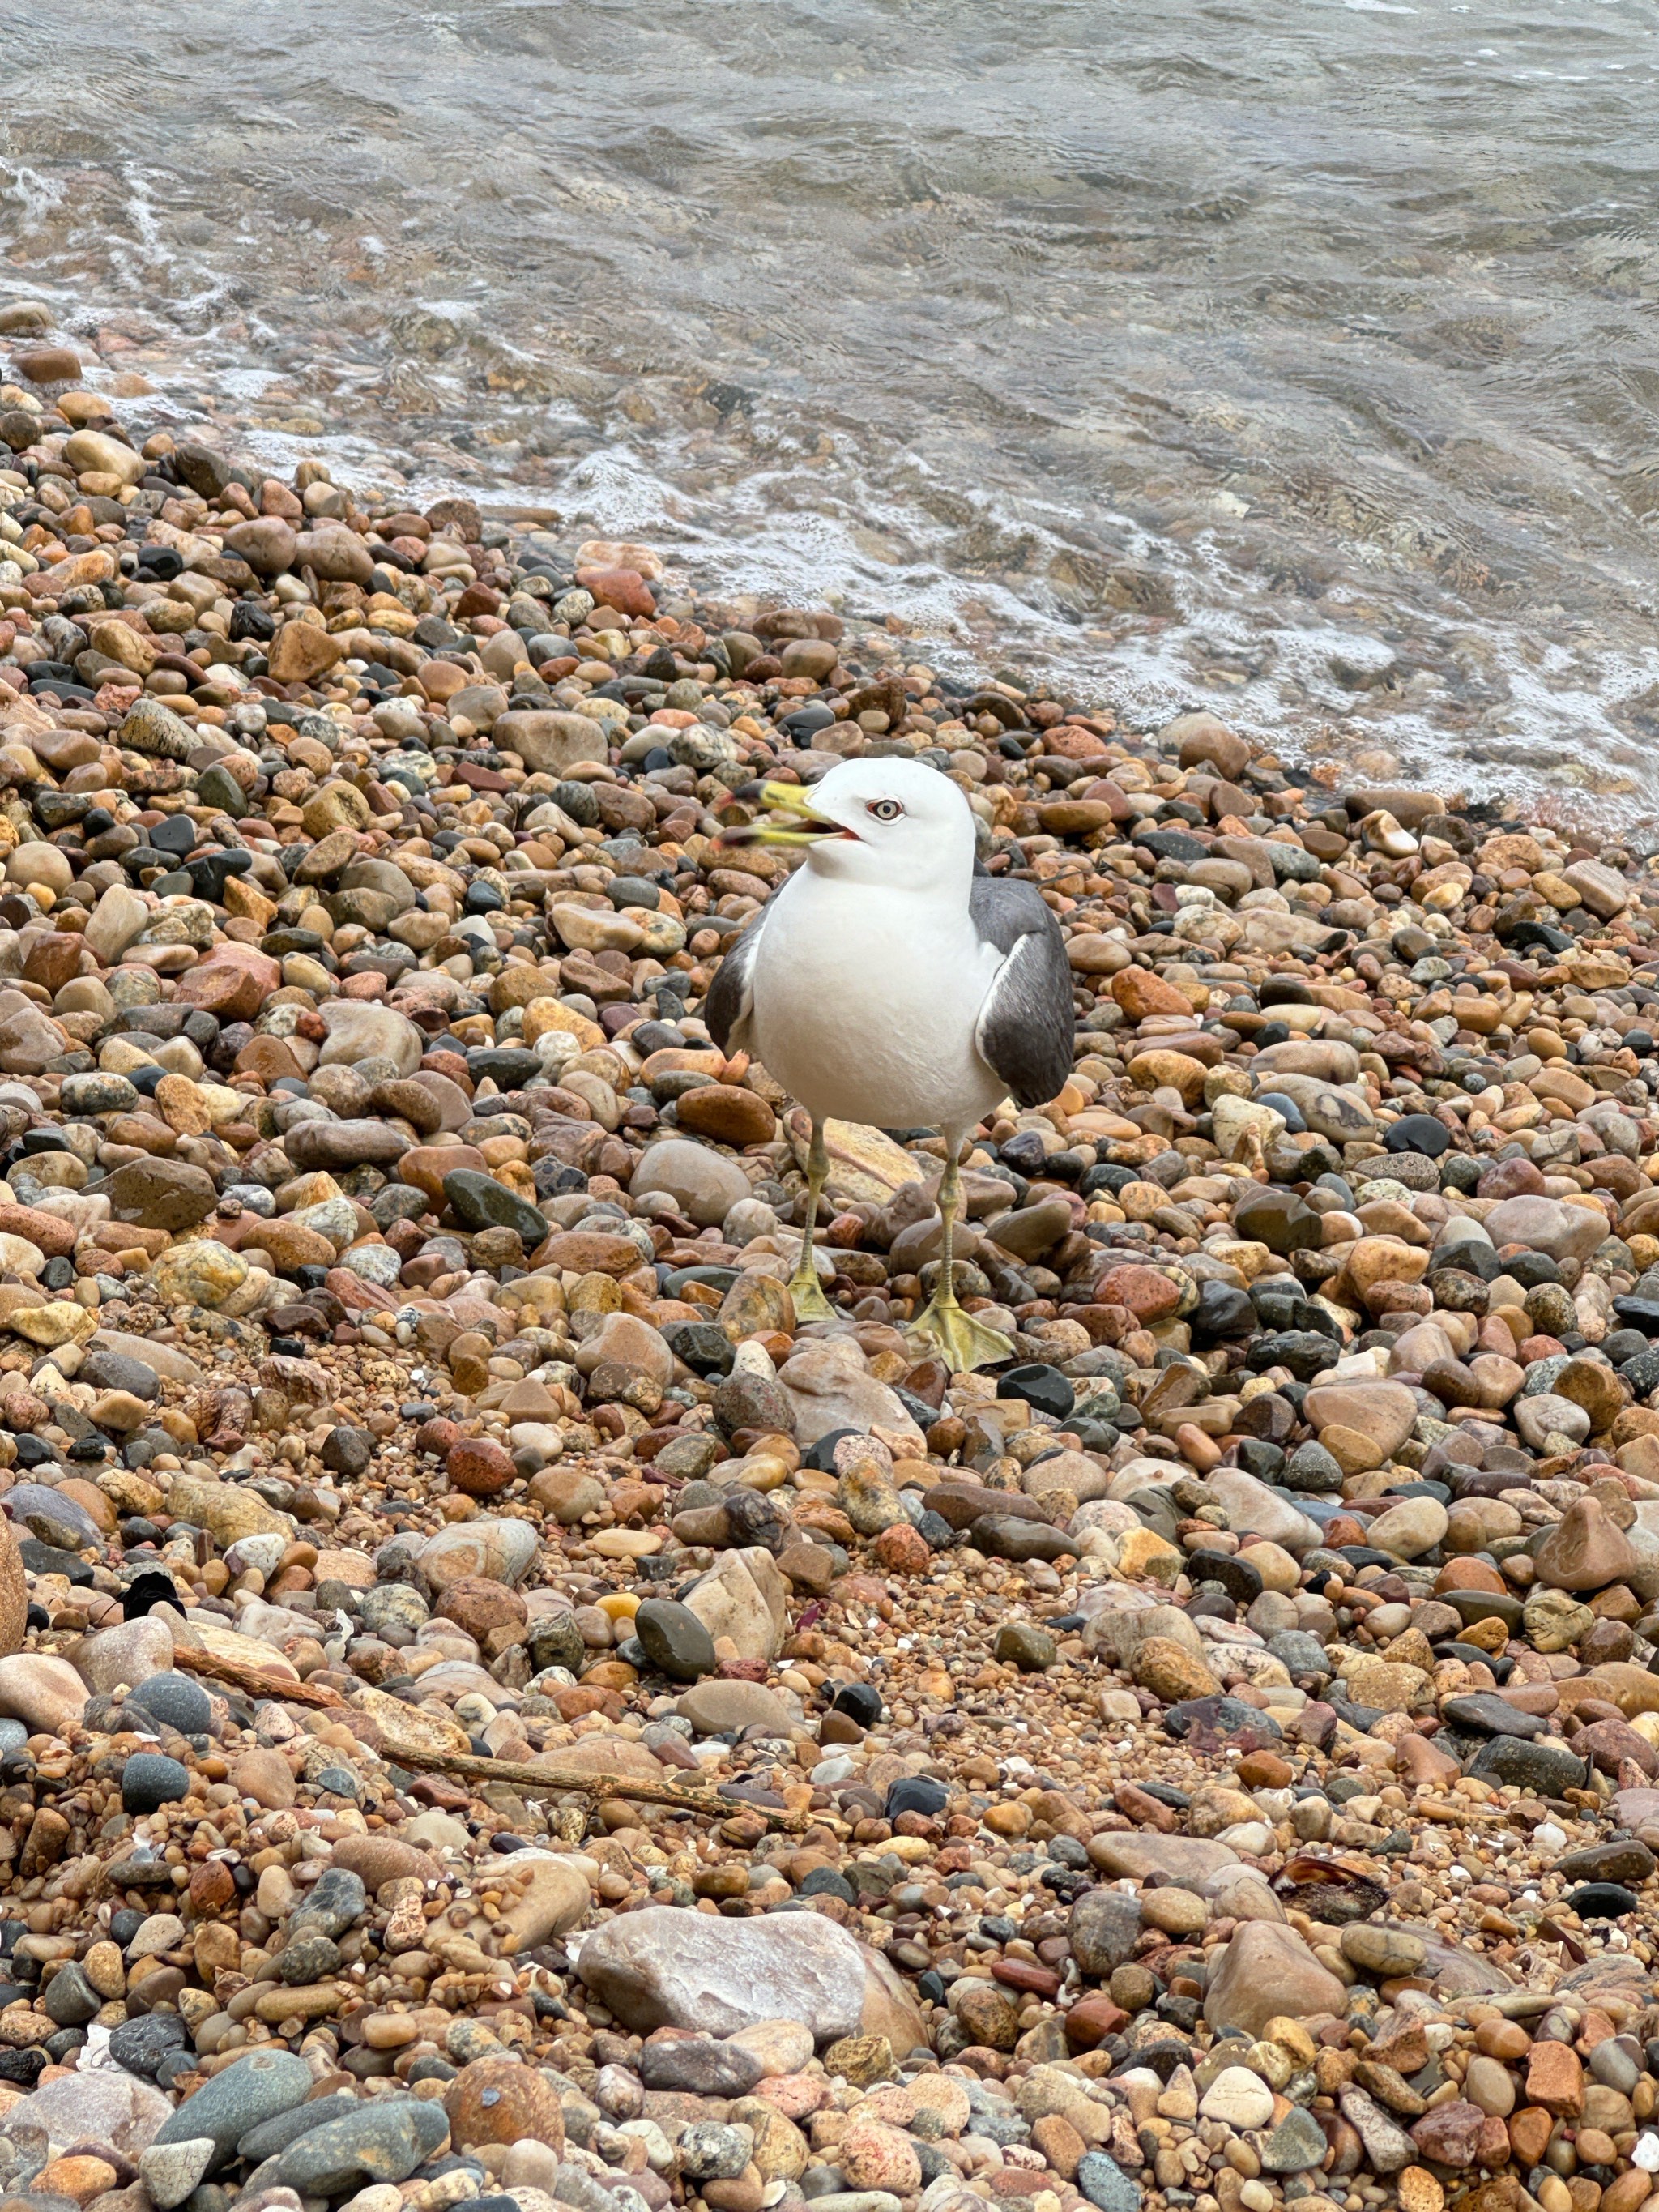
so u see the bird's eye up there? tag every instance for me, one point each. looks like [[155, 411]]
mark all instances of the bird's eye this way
[[885, 810]]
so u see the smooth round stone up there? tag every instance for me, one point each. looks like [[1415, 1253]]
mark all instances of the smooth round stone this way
[[1020, 1643], [1490, 2085], [148, 1781], [1602, 1900], [1383, 1952], [71, 2001], [174, 1700], [1044, 1388], [1238, 2098], [675, 1641], [1416, 1133], [248, 2092], [1615, 2067], [1283, 1104]]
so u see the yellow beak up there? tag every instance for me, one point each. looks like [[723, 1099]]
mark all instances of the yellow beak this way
[[781, 798]]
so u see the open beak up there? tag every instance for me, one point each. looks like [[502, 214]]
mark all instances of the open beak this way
[[787, 799]]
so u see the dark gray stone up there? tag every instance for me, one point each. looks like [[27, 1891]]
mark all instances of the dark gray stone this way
[[148, 1781], [479, 1201], [309, 1958], [113, 1370], [557, 1641], [1622, 1859], [1296, 2145], [329, 1907], [1102, 1930], [701, 2066], [676, 1643], [141, 2046], [349, 1451], [1485, 1713], [269, 2135], [70, 1999], [174, 1700], [1545, 1766], [255, 2089], [382, 2140], [1105, 2184]]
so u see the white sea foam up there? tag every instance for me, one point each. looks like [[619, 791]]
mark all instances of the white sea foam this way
[[1180, 371]]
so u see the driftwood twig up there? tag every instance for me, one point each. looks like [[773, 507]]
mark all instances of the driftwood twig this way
[[546, 1776], [256, 1682]]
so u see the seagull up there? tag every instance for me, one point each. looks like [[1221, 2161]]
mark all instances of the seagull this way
[[889, 982]]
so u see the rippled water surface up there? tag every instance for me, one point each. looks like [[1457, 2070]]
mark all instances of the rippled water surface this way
[[1298, 358]]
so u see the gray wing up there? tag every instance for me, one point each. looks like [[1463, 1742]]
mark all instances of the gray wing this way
[[1024, 1029], [732, 994]]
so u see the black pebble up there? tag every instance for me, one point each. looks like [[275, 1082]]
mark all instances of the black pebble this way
[[822, 1456], [1045, 1387], [1418, 1133], [916, 1793], [858, 1701], [145, 1590], [1602, 1900], [141, 2046]]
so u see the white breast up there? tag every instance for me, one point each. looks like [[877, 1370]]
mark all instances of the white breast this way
[[865, 1003]]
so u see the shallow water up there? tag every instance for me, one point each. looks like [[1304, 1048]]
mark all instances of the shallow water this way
[[1294, 358]]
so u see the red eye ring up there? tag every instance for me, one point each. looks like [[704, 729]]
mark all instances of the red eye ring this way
[[884, 809]]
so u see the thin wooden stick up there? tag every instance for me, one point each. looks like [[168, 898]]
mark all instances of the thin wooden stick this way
[[256, 1682], [545, 1777]]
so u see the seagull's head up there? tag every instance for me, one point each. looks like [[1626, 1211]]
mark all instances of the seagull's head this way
[[896, 823]]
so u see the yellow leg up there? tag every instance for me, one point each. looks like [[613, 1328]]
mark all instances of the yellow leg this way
[[805, 1288], [960, 1341]]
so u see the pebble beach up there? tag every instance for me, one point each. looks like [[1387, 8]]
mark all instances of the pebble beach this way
[[494, 1712]]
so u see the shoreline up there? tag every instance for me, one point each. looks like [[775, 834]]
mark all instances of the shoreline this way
[[1212, 1765]]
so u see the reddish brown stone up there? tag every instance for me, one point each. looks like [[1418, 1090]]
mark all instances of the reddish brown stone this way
[[476, 1606], [589, 1252], [1148, 1296], [1138, 1805], [902, 1550], [1264, 1770], [1091, 2020], [50, 1232], [1606, 1743], [1555, 2079], [479, 1467], [617, 587], [269, 1058], [577, 1699], [1451, 2132], [52, 961], [232, 983], [498, 2101], [1020, 1974], [1141, 993], [1492, 2145], [212, 1887], [1529, 2131], [728, 1114], [1017, 2181]]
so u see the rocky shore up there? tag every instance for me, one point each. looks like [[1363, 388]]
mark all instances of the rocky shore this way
[[494, 1713]]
